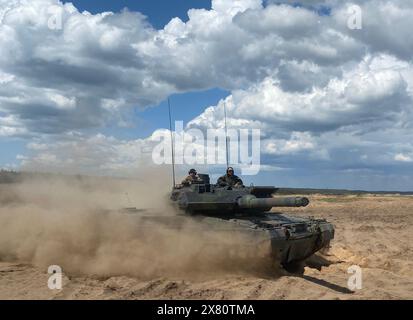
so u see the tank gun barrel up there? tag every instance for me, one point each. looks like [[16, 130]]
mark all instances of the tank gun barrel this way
[[251, 202]]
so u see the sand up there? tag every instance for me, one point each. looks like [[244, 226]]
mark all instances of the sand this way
[[373, 232]]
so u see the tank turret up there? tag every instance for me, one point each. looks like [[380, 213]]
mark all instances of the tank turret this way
[[204, 198]]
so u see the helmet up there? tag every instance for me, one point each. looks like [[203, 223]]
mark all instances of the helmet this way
[[192, 171]]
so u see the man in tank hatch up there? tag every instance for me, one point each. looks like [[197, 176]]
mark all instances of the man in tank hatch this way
[[230, 179]]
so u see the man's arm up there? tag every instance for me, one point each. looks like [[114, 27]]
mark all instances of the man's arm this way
[[221, 181], [239, 181], [186, 182]]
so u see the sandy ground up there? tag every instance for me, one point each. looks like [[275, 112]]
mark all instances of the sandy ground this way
[[373, 232]]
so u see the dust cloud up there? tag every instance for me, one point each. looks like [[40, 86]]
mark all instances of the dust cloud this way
[[75, 222]]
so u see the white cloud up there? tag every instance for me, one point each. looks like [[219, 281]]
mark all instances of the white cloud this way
[[61, 101], [235, 6], [403, 158], [386, 25], [372, 91], [10, 126], [299, 141], [119, 57], [5, 77], [318, 91]]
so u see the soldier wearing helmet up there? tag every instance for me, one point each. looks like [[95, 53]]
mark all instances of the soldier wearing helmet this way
[[230, 179], [191, 178]]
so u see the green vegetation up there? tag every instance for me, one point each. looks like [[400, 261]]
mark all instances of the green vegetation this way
[[10, 176]]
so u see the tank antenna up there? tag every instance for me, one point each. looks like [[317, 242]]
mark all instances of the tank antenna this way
[[226, 134], [172, 144]]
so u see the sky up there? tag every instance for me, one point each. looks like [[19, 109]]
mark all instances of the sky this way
[[158, 12], [84, 86]]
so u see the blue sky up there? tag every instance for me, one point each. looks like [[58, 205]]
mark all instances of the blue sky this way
[[334, 103], [184, 107], [159, 12]]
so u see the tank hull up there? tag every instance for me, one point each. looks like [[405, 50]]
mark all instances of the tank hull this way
[[291, 239], [284, 238]]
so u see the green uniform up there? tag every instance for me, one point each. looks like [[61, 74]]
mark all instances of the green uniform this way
[[229, 181]]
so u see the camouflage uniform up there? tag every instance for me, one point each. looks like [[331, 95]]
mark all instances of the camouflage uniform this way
[[229, 181], [189, 180]]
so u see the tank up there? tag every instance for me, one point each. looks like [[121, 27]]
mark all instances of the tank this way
[[249, 209]]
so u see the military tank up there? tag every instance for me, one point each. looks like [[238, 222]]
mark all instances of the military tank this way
[[248, 209]]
